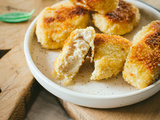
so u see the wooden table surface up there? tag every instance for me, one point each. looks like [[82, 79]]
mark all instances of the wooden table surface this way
[[18, 88]]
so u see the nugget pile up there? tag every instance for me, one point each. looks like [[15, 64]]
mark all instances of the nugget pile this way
[[55, 23], [64, 25]]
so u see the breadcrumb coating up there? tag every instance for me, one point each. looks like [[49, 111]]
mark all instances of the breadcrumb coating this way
[[142, 66], [120, 21], [100, 6], [110, 52], [55, 23]]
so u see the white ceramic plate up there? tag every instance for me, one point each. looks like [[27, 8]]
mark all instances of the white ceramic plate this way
[[111, 93]]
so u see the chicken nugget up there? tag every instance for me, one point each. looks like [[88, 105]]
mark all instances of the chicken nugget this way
[[110, 52], [55, 23], [118, 22], [142, 66], [101, 6], [69, 61]]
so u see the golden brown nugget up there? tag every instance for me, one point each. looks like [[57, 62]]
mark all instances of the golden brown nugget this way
[[118, 22], [69, 61], [101, 6], [55, 23], [110, 53], [142, 66]]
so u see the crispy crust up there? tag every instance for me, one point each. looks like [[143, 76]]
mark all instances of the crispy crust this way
[[101, 6], [64, 13], [115, 40], [56, 23], [147, 51], [144, 57], [118, 22], [110, 52], [150, 56], [124, 13]]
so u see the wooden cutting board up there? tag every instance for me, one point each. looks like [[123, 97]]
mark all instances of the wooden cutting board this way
[[146, 110], [18, 88]]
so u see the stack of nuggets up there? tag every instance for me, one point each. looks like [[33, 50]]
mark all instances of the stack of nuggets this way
[[55, 23]]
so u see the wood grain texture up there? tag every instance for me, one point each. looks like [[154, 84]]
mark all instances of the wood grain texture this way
[[13, 33], [16, 84], [146, 110]]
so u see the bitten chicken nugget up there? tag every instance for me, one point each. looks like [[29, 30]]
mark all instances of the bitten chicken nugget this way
[[142, 66], [118, 22], [69, 61], [110, 52], [101, 6], [56, 23]]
